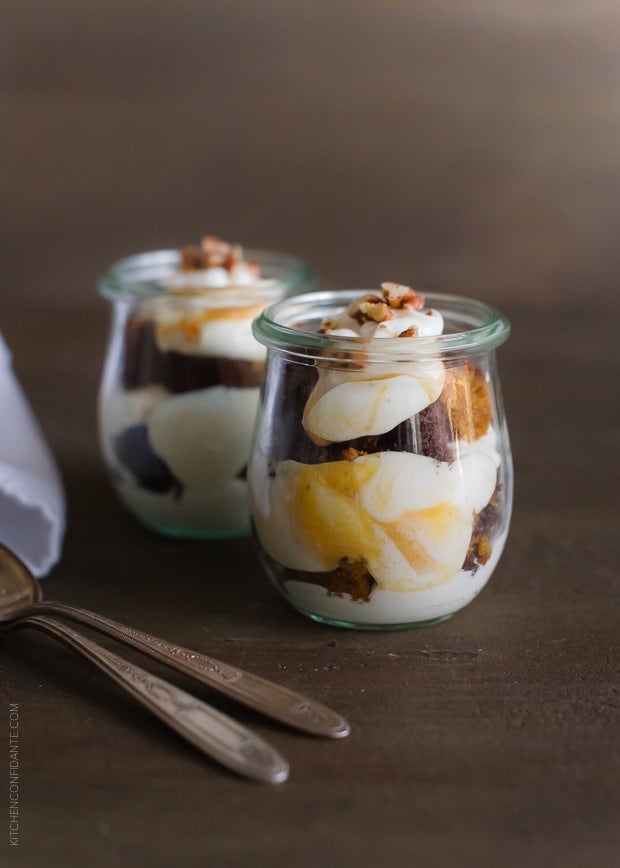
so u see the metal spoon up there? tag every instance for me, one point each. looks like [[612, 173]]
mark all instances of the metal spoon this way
[[21, 595], [212, 732]]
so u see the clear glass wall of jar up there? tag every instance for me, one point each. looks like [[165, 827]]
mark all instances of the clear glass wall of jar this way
[[400, 527], [180, 389]]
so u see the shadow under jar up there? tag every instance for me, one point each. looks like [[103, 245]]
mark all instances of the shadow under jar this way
[[381, 475], [180, 387]]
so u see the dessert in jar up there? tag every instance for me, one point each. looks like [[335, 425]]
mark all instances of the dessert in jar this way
[[181, 381], [380, 477]]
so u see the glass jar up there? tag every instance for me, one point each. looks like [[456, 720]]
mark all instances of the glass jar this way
[[180, 389], [397, 514]]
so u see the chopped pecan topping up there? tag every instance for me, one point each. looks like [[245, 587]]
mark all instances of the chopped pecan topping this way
[[191, 258], [212, 253], [398, 296], [328, 325], [369, 308], [411, 332]]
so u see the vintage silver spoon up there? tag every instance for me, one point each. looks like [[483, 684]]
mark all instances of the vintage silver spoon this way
[[212, 732], [21, 597]]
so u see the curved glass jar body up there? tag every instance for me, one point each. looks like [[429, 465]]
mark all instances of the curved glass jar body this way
[[397, 513], [180, 389]]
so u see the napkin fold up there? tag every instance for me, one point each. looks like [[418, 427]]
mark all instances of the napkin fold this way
[[32, 502]]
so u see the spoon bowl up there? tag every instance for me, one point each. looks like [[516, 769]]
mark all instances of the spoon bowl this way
[[18, 587]]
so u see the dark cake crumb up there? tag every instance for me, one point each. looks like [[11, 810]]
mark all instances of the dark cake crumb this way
[[478, 553], [467, 397], [350, 577], [145, 364], [436, 432], [133, 449], [462, 411], [485, 522]]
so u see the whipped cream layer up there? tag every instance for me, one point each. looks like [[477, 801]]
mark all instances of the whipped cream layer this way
[[355, 398], [218, 328], [204, 439], [409, 517], [386, 608], [204, 436]]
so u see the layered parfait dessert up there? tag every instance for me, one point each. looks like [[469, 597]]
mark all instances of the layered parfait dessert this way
[[380, 478], [181, 382]]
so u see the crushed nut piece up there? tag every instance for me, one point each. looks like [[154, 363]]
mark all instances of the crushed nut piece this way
[[350, 577], [478, 553], [369, 308], [328, 325], [191, 258], [411, 332], [398, 296], [350, 454], [212, 253]]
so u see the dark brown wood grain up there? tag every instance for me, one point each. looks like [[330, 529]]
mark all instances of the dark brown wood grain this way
[[471, 150]]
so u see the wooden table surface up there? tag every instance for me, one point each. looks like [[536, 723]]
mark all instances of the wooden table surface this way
[[478, 167]]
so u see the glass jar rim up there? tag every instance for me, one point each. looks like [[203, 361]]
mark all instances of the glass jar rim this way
[[486, 329], [139, 275]]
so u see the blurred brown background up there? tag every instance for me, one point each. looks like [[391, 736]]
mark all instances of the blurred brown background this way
[[468, 147], [472, 147]]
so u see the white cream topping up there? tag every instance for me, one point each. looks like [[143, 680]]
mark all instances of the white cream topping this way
[[208, 311], [357, 399], [216, 277], [427, 323]]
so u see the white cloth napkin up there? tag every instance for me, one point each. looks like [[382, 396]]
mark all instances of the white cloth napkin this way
[[32, 502]]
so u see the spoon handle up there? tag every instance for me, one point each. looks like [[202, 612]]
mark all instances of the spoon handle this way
[[271, 699], [212, 732]]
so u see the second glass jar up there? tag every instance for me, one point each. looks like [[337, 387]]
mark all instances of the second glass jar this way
[[180, 389]]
